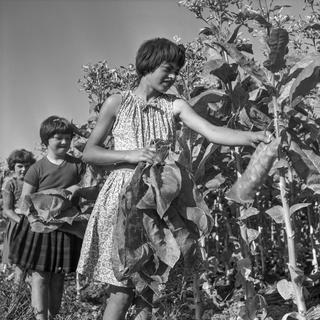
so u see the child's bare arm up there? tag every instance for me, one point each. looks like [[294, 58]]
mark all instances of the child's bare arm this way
[[216, 134], [26, 190], [8, 206]]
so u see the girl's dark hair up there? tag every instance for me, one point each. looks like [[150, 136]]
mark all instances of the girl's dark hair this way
[[20, 156], [54, 125], [153, 52]]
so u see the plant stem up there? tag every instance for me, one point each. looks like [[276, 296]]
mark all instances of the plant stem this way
[[196, 295], [261, 249], [289, 230], [314, 252]]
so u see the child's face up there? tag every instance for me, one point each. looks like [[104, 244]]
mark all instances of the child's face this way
[[20, 170], [164, 76], [59, 144]]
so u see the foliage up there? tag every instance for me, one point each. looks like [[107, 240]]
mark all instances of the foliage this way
[[161, 217], [100, 81], [278, 93]]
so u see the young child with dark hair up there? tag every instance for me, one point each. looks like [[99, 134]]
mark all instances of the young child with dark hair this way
[[18, 163], [135, 118], [49, 256]]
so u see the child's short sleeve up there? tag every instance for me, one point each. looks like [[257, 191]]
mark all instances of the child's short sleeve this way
[[8, 194], [11, 192], [7, 186], [32, 176]]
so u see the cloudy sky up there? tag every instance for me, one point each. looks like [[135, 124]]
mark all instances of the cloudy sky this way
[[44, 43]]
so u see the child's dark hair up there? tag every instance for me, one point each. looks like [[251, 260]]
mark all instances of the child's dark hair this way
[[54, 125], [20, 156], [153, 52]]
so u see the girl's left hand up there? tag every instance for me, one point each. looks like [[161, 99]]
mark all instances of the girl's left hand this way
[[260, 136]]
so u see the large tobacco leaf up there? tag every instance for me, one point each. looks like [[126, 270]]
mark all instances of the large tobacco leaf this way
[[288, 82], [303, 63], [200, 102], [130, 249], [305, 81], [224, 71], [164, 185], [245, 63], [163, 242], [48, 210], [307, 165], [247, 185], [161, 216]]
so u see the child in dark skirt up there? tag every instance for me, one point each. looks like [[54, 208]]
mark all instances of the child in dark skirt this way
[[49, 256], [18, 163]]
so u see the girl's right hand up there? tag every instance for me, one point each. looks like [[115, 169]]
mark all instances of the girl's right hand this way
[[146, 154]]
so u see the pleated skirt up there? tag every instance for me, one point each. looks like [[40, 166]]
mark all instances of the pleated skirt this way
[[10, 230], [56, 251]]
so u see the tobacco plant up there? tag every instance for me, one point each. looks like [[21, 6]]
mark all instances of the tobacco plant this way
[[274, 102], [260, 224]]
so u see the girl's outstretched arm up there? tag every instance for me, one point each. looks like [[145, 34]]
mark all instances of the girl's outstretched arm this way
[[95, 153], [216, 134]]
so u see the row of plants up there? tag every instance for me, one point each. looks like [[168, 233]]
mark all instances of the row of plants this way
[[264, 202]]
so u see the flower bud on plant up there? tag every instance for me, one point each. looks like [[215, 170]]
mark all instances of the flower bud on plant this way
[[278, 42], [260, 164]]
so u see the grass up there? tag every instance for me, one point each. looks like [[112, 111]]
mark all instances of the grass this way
[[15, 301]]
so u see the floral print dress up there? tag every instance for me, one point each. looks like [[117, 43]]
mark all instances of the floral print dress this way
[[136, 125]]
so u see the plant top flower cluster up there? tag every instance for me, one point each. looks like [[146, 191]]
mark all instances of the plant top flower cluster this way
[[99, 81]]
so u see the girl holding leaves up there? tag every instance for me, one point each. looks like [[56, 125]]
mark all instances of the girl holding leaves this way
[[135, 118]]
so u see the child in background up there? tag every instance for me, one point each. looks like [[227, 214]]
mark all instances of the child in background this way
[[18, 163], [49, 256], [135, 118]]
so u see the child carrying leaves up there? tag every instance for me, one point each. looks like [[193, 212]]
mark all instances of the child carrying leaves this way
[[136, 118], [18, 163], [48, 250]]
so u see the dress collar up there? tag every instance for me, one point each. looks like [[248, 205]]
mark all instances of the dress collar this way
[[154, 103]]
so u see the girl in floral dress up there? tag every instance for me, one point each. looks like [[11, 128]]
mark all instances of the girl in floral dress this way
[[135, 118]]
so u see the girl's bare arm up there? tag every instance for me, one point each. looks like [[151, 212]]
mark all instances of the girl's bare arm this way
[[215, 134], [27, 189]]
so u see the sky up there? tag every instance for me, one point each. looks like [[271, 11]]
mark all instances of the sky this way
[[44, 43]]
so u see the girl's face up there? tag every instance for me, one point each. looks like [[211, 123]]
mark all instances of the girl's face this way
[[20, 170], [59, 144], [163, 77]]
